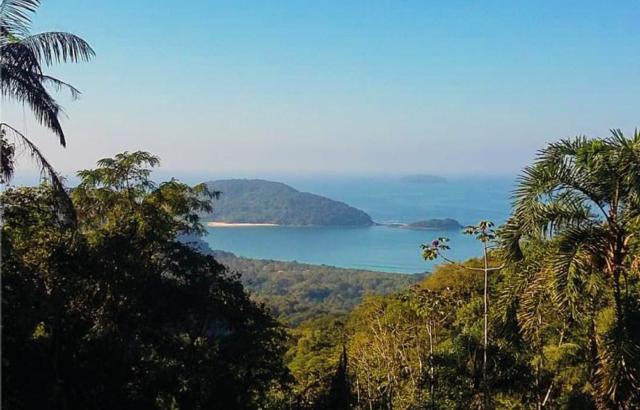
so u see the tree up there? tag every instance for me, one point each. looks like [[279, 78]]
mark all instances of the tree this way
[[339, 395], [555, 344], [484, 233], [581, 198], [116, 312], [314, 355], [436, 308], [22, 79], [558, 333], [387, 350]]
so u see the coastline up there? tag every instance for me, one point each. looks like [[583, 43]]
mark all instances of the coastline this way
[[213, 224]]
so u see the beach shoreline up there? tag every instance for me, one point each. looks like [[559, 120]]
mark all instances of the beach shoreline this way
[[213, 224]]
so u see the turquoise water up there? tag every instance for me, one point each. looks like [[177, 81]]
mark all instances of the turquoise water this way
[[378, 247]]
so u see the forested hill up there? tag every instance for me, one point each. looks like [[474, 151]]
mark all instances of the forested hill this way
[[260, 201]]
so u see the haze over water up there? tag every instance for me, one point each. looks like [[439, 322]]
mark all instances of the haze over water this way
[[381, 248]]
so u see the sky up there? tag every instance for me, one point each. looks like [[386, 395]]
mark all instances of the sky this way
[[255, 89]]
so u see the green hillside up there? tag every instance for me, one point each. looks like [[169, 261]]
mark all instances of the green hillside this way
[[260, 201]]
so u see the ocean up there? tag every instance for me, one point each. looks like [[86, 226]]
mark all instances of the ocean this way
[[379, 248]]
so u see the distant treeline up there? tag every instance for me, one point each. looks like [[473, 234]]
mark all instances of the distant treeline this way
[[296, 291]]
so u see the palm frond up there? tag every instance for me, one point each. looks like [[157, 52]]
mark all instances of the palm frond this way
[[567, 166], [21, 60], [15, 16], [534, 308], [577, 254], [59, 85], [519, 273], [46, 169], [58, 47], [22, 80], [619, 368], [510, 236], [7, 158], [628, 162]]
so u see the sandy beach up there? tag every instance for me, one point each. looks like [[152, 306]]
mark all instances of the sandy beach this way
[[236, 225]]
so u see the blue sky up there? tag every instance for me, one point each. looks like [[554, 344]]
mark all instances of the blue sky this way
[[264, 88]]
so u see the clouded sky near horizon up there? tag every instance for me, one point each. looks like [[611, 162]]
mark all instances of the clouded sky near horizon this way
[[362, 87]]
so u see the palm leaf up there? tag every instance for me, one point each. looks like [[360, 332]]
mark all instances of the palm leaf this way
[[59, 85], [58, 47], [64, 202], [576, 256], [15, 16], [7, 158], [21, 79], [619, 368]]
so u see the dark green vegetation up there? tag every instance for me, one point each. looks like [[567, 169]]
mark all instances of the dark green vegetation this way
[[259, 201], [563, 298], [424, 179], [104, 308], [109, 310], [296, 291], [113, 312]]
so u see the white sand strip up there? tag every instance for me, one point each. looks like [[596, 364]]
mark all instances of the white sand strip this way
[[235, 225]]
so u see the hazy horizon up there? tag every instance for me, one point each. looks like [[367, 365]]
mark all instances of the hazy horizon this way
[[361, 88], [33, 177]]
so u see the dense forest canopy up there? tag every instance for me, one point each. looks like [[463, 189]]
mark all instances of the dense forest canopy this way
[[114, 310], [260, 201], [297, 291], [104, 305]]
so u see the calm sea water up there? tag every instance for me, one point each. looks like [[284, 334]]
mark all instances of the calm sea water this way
[[379, 247]]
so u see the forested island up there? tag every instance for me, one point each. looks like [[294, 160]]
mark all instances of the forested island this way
[[261, 202], [257, 201], [428, 224], [444, 224]]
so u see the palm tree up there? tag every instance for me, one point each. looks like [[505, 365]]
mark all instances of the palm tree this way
[[582, 196], [22, 79]]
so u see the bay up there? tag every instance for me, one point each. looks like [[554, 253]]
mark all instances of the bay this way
[[380, 248]]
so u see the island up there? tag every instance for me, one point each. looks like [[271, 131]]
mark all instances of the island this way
[[440, 224], [423, 179], [435, 224], [257, 202]]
